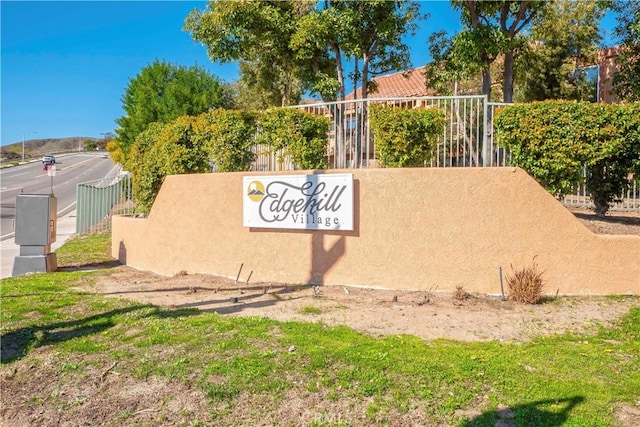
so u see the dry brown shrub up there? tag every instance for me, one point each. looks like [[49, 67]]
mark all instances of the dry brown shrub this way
[[460, 294], [526, 285]]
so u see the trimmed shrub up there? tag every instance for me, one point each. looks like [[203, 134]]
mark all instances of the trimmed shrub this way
[[163, 150], [144, 172], [405, 137], [299, 134], [227, 137], [555, 140], [617, 155]]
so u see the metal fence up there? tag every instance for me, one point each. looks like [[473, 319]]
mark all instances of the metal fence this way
[[629, 201], [464, 141], [467, 139], [98, 200], [351, 140]]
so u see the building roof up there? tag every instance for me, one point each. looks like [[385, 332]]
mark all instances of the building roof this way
[[408, 83]]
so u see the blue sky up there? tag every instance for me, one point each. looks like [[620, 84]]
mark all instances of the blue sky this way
[[66, 65]]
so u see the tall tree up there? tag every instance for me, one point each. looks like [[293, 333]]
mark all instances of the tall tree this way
[[303, 44], [491, 28], [160, 93], [626, 81], [564, 39], [319, 40], [375, 36], [256, 33]]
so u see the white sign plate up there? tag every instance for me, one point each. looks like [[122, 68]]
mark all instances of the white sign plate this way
[[311, 202]]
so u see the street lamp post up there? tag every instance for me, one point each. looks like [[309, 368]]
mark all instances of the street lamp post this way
[[23, 136]]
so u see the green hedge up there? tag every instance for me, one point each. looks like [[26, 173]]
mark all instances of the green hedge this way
[[188, 144], [555, 140], [405, 137], [227, 136], [162, 150], [302, 135]]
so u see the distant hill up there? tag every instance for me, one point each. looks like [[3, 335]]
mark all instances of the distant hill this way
[[35, 148]]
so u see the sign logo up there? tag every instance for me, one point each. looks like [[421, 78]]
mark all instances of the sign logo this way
[[314, 202], [255, 191]]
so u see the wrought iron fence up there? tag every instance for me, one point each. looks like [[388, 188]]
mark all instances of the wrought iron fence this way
[[467, 139], [628, 201], [462, 143]]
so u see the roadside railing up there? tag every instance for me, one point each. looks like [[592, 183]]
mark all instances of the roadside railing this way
[[98, 200]]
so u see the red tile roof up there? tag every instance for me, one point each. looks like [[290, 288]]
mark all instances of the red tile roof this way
[[402, 84]]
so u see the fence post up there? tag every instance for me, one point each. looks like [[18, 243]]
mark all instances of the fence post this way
[[78, 216], [485, 133]]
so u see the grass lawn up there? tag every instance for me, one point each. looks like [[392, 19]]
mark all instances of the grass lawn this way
[[63, 351]]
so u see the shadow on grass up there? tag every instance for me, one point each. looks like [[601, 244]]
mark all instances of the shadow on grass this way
[[16, 344], [529, 414]]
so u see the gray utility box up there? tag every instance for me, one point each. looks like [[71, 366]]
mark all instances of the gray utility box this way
[[36, 223]]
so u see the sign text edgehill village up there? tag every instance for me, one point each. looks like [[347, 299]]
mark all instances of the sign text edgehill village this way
[[313, 202]]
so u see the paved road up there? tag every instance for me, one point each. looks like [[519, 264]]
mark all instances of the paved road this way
[[71, 169]]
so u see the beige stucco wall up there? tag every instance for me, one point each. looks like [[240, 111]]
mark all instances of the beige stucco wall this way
[[414, 229]]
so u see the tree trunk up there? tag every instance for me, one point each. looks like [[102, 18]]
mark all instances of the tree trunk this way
[[365, 78], [507, 88], [361, 113], [339, 71], [356, 71], [486, 81], [338, 112]]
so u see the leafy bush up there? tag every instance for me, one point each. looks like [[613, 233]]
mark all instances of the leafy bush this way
[[301, 135], [227, 136], [144, 173], [403, 137], [526, 285], [168, 149], [115, 151], [617, 155], [555, 140], [162, 92]]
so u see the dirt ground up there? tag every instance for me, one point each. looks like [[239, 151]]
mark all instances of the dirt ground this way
[[428, 315], [612, 223], [377, 312], [382, 312]]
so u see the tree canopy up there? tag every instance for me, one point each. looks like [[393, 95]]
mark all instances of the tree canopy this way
[[626, 81], [540, 49], [289, 47], [549, 65], [256, 34], [491, 29], [160, 93]]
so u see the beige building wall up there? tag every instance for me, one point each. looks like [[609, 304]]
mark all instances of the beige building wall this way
[[414, 229]]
